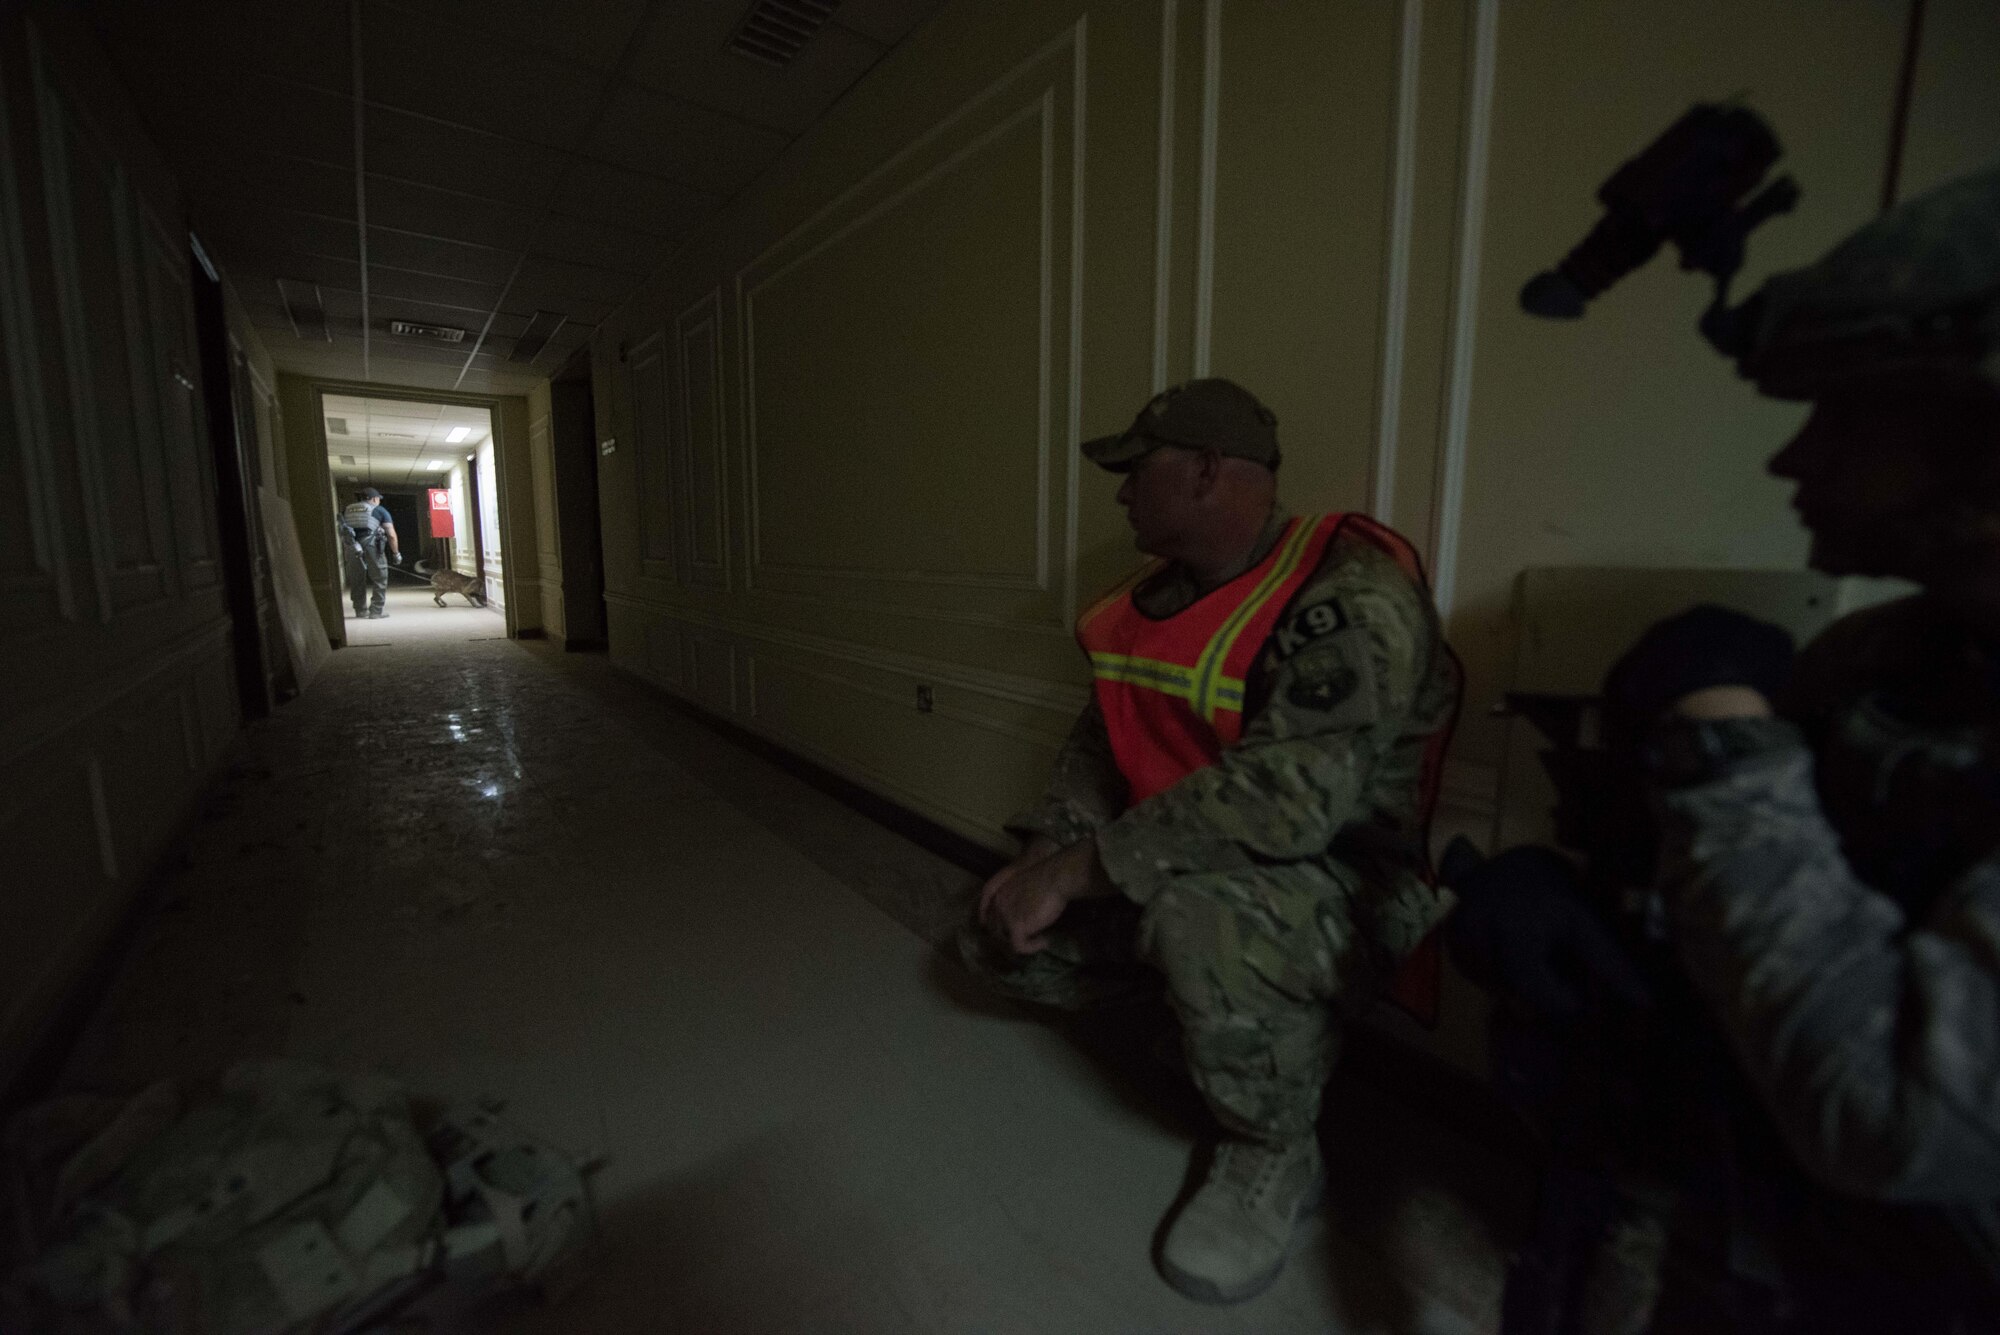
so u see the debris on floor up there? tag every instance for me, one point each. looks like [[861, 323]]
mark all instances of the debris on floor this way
[[282, 1197]]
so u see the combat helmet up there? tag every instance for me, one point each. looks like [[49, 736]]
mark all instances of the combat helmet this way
[[1918, 289]]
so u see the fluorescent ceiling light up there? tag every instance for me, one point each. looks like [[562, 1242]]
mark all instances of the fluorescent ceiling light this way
[[458, 433], [435, 465]]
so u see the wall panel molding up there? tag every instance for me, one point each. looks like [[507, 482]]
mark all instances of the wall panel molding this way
[[122, 586], [23, 733], [182, 433], [977, 824], [1396, 276], [1450, 488], [1060, 699], [705, 538], [652, 426], [1163, 192], [548, 539], [1211, 134], [1036, 97]]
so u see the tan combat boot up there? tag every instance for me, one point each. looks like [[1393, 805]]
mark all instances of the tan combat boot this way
[[1230, 1239]]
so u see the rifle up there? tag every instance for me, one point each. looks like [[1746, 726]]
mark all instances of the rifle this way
[[1628, 1104]]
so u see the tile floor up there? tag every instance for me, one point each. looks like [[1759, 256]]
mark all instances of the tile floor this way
[[497, 870]]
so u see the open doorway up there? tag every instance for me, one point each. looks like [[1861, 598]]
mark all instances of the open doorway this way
[[435, 469]]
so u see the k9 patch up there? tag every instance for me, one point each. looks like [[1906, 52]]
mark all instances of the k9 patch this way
[[1308, 624]]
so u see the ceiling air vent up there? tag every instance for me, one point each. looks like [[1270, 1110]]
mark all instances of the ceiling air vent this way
[[536, 336], [336, 426], [305, 308], [442, 333], [775, 31], [347, 458]]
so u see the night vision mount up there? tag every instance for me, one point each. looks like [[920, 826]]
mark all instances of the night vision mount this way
[[1688, 187]]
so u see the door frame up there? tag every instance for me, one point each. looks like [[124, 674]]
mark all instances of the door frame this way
[[514, 538]]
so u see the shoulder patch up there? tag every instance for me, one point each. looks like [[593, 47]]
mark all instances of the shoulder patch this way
[[1309, 624], [1322, 686]]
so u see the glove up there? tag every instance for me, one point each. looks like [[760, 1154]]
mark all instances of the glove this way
[[1523, 932], [396, 557], [1701, 647]]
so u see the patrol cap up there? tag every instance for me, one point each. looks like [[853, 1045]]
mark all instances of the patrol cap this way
[[1213, 414], [1918, 289]]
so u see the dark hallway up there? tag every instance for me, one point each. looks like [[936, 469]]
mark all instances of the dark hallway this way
[[492, 871], [769, 390]]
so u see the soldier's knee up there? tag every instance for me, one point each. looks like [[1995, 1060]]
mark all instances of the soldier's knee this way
[[1181, 925], [1238, 941]]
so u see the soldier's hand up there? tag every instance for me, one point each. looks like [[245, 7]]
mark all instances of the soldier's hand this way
[[1691, 654], [1022, 908], [1523, 931], [1041, 846]]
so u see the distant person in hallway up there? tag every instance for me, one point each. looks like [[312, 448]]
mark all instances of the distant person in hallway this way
[[367, 531], [1239, 817]]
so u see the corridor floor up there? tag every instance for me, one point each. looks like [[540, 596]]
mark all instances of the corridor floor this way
[[496, 870]]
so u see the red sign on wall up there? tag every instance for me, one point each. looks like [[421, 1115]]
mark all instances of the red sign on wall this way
[[441, 525]]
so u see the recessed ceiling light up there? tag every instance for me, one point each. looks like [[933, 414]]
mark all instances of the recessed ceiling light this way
[[435, 465], [458, 433]]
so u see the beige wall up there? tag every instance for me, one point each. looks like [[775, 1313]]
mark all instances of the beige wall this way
[[845, 417], [1621, 439], [117, 689]]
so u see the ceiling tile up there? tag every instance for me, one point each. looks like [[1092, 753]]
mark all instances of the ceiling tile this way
[[413, 207], [416, 149], [580, 241], [287, 230], [193, 118], [887, 21], [250, 257], [216, 183], [593, 34], [649, 132], [396, 283], [306, 40], [553, 285], [444, 70], [645, 203], [684, 58], [432, 255]]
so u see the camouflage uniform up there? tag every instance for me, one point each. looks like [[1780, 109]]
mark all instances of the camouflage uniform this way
[[1834, 885], [1280, 883], [1833, 875]]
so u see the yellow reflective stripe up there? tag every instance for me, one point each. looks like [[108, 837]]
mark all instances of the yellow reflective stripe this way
[[1173, 679], [1208, 681]]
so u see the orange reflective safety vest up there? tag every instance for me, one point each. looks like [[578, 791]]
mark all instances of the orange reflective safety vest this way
[[1172, 688]]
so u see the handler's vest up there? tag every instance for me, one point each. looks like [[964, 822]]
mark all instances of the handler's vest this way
[[360, 521], [1172, 688]]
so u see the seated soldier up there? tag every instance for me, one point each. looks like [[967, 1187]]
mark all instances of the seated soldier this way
[[1830, 860], [1239, 816]]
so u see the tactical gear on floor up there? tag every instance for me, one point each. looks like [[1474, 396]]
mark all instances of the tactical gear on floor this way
[[288, 1198]]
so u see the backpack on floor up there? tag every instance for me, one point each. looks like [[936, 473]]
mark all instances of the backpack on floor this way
[[285, 1198]]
